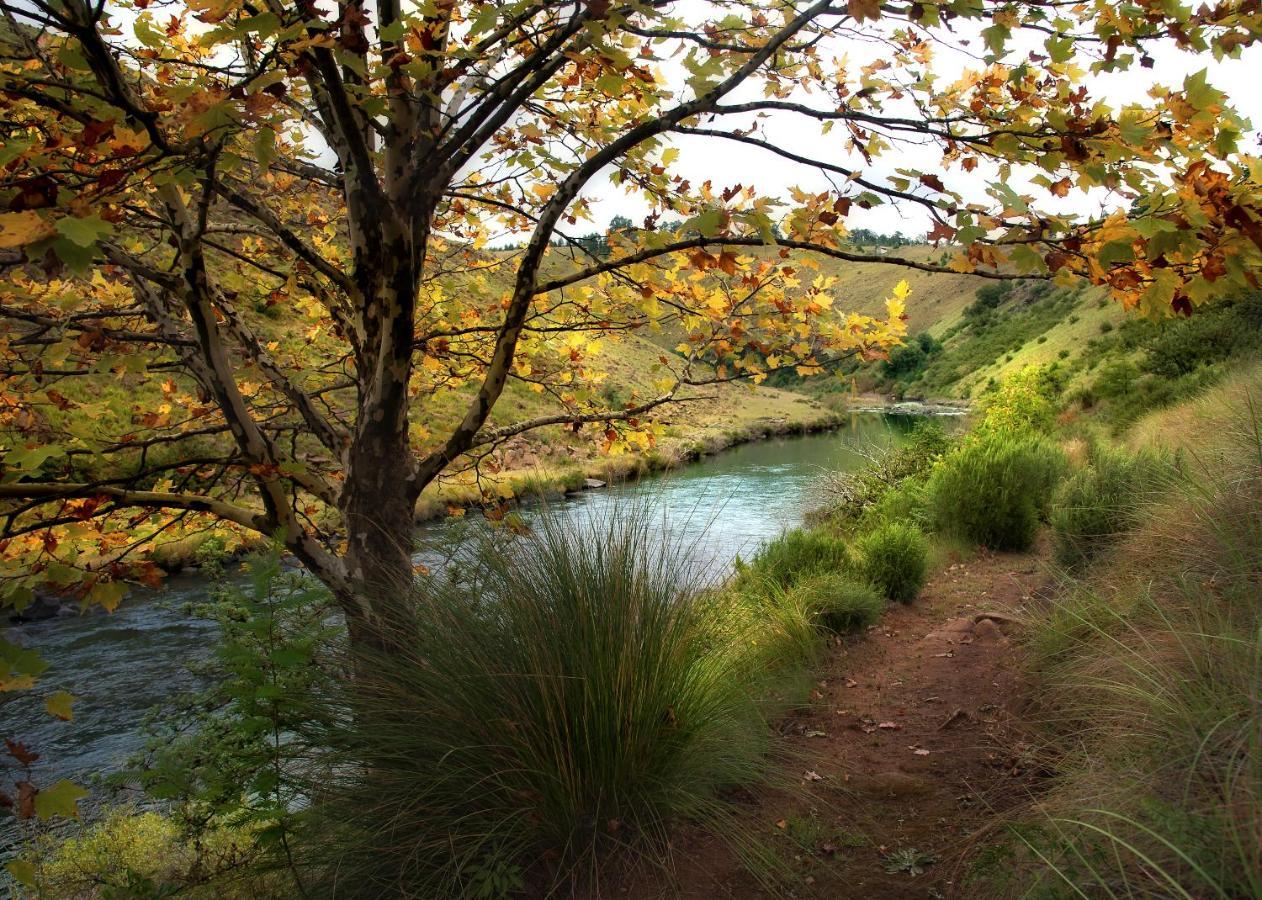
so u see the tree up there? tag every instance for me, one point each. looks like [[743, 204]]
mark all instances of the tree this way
[[175, 173]]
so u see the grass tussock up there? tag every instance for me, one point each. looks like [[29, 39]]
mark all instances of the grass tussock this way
[[1102, 501], [894, 558], [797, 554], [571, 695], [1149, 671], [839, 603]]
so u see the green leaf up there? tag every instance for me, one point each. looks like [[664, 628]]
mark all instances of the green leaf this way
[[77, 258], [708, 222], [22, 870], [29, 459], [1199, 92], [485, 21], [996, 37], [265, 146], [1060, 49], [1116, 252], [18, 667], [84, 231], [62, 799], [148, 35]]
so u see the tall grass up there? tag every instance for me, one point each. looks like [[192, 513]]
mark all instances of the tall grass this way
[[573, 693], [1149, 675], [894, 558]]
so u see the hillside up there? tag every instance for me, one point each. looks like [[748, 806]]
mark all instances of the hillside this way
[[966, 336]]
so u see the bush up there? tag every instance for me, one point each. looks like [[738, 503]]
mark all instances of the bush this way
[[894, 558], [867, 492], [992, 490], [1099, 503], [797, 554], [840, 604], [569, 696], [1024, 402]]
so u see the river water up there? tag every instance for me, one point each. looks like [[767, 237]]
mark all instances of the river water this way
[[121, 665]]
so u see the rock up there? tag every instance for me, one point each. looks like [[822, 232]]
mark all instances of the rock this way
[[987, 631], [45, 606], [593, 483]]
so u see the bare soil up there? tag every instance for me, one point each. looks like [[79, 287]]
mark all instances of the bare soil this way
[[910, 752]]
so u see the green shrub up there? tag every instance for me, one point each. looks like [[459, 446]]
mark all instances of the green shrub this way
[[894, 558], [907, 502], [839, 603], [569, 696], [1099, 503], [992, 490], [797, 554]]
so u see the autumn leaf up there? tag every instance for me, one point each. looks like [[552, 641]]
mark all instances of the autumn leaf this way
[[864, 9], [17, 229], [62, 799], [19, 752], [60, 704]]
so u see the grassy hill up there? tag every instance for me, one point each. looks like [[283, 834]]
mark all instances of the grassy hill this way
[[967, 335]]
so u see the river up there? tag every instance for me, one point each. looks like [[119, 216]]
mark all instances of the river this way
[[121, 665]]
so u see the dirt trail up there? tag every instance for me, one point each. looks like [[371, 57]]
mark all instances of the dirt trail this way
[[912, 746]]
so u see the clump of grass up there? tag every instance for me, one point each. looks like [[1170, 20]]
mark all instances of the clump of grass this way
[[797, 554], [839, 603], [1101, 502], [569, 696], [894, 558], [992, 490]]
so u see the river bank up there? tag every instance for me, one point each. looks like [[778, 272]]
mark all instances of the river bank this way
[[711, 435]]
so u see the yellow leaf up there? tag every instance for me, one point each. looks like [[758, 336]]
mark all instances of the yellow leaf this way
[[59, 705], [107, 594], [21, 228]]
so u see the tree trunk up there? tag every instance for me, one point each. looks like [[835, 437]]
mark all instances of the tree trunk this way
[[379, 495]]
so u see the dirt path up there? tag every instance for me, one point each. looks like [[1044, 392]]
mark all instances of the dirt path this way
[[912, 746]]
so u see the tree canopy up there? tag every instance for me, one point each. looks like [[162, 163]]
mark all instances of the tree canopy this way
[[179, 176]]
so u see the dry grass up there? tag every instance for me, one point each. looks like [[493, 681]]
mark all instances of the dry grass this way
[[1148, 673]]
